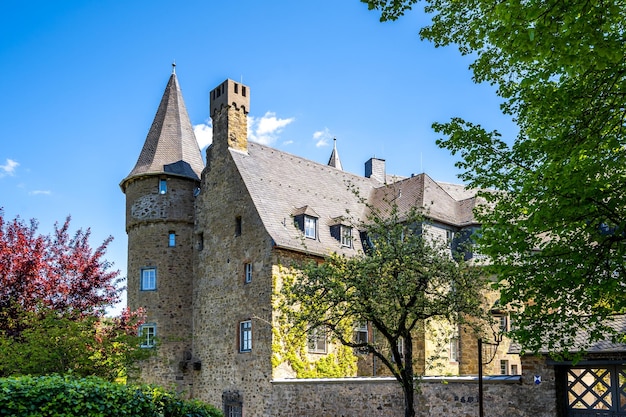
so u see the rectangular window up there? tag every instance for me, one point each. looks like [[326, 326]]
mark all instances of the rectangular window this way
[[514, 370], [171, 239], [248, 272], [147, 333], [200, 241], [148, 279], [245, 336], [317, 341], [503, 323], [454, 349], [162, 186], [238, 226], [346, 236], [449, 236], [504, 367], [400, 345], [309, 227]]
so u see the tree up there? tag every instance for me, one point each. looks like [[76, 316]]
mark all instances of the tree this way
[[556, 228], [53, 294], [405, 279]]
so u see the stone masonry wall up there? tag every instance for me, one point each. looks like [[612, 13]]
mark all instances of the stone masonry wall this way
[[150, 218], [233, 236], [438, 396]]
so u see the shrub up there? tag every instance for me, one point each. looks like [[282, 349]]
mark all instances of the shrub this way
[[66, 396]]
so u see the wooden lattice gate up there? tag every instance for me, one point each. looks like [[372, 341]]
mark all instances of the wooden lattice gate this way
[[597, 390]]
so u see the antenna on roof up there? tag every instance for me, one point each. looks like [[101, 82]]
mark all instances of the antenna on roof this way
[[174, 67]]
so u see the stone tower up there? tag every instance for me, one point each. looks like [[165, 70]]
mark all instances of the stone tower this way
[[160, 194]]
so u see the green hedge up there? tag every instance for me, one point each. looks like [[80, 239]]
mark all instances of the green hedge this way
[[66, 396]]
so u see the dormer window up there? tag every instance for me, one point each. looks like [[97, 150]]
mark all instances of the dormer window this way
[[305, 219], [310, 224], [346, 236], [342, 231]]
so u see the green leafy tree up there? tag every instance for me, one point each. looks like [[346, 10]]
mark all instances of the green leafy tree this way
[[405, 279], [556, 227]]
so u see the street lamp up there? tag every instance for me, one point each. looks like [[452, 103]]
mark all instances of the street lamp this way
[[497, 338]]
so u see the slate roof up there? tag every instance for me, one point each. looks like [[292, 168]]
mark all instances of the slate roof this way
[[283, 185], [581, 341], [171, 146]]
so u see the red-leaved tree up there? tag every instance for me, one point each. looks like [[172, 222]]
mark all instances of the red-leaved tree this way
[[54, 291]]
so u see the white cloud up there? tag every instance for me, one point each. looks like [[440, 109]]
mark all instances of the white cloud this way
[[322, 137], [40, 192], [265, 130], [204, 134], [8, 168]]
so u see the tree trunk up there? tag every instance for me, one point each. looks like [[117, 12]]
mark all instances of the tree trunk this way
[[409, 405]]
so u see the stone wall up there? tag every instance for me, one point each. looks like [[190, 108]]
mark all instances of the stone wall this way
[[150, 218], [454, 396], [510, 396]]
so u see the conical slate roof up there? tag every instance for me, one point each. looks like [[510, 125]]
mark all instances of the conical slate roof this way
[[171, 146]]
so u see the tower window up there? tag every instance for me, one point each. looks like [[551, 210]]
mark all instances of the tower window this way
[[245, 336], [243, 90], [147, 333], [162, 186], [248, 272], [171, 242], [236, 87], [238, 226], [148, 279]]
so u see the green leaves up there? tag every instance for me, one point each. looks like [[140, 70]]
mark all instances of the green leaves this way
[[556, 225], [66, 396]]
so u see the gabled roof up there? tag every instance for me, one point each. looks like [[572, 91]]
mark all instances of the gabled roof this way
[[171, 146], [283, 185]]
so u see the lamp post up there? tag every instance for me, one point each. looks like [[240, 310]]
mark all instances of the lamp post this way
[[497, 337]]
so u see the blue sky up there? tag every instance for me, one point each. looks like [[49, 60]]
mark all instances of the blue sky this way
[[81, 82]]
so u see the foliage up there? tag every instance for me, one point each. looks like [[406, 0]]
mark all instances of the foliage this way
[[54, 343], [289, 344], [405, 278], [53, 294], [557, 230], [52, 396]]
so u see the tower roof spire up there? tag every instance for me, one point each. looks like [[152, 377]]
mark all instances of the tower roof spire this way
[[171, 146], [334, 160]]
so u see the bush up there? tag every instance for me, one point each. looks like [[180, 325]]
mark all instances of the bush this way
[[66, 396]]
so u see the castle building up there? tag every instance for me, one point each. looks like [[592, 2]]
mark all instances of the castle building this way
[[208, 242]]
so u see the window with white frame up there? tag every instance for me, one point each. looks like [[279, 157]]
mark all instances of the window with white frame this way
[[147, 333], [454, 349], [148, 279], [504, 367], [310, 227], [400, 346], [503, 323], [346, 236], [360, 332], [248, 272], [245, 336], [317, 341]]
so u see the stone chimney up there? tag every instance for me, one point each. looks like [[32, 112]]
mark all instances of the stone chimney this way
[[375, 168]]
